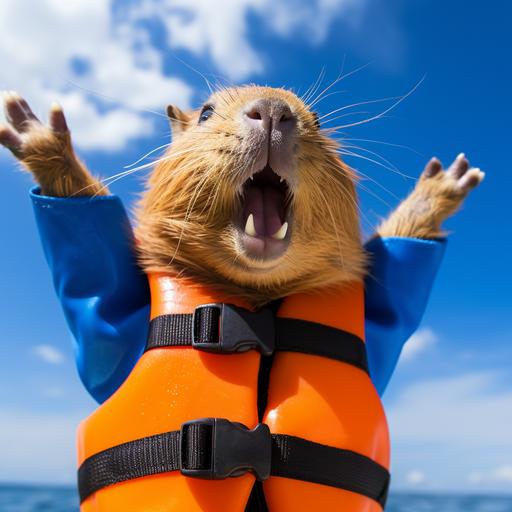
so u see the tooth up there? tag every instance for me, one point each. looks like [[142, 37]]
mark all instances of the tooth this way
[[281, 232], [251, 178], [250, 229], [281, 180]]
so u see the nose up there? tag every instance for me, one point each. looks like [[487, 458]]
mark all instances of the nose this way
[[270, 115]]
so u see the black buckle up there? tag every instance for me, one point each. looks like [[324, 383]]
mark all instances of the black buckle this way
[[230, 449], [239, 330]]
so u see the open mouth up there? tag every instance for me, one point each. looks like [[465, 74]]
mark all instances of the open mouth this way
[[264, 227]]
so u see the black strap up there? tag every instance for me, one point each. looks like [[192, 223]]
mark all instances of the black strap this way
[[143, 457], [300, 459], [291, 457], [177, 330], [294, 335], [291, 335]]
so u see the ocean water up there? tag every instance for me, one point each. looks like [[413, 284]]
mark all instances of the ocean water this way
[[15, 498]]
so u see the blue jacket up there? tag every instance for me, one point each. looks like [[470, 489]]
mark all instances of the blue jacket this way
[[88, 243]]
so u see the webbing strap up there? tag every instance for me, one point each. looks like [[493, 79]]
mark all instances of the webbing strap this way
[[177, 330], [300, 459], [294, 335], [290, 335], [291, 457], [143, 457]]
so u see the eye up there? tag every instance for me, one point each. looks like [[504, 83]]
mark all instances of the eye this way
[[206, 113], [316, 120]]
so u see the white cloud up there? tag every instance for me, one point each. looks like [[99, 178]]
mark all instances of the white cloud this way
[[312, 18], [220, 29], [40, 42], [37, 447], [418, 343], [415, 477], [120, 72], [48, 354], [466, 409], [503, 474], [499, 475], [457, 429]]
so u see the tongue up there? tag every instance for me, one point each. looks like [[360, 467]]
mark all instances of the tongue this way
[[266, 204]]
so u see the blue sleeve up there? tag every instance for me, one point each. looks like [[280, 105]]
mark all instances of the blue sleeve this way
[[398, 285], [88, 243]]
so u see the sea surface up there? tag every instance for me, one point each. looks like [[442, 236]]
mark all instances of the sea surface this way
[[15, 498]]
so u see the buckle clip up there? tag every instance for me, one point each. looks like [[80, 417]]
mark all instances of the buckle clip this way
[[227, 449], [239, 330]]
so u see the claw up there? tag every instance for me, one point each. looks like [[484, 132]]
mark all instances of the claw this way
[[57, 119], [459, 167], [17, 112], [7, 96], [471, 179], [9, 138], [432, 168]]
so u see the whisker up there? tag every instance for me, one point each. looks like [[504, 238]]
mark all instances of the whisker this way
[[347, 114], [338, 79], [315, 87], [112, 179], [373, 161], [335, 224], [319, 95], [374, 141], [194, 70], [333, 93], [146, 155], [190, 206], [368, 178], [346, 107], [114, 100], [117, 178], [349, 197], [359, 185], [164, 158], [391, 167], [384, 112]]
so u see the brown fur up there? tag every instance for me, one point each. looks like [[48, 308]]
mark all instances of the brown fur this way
[[55, 166], [185, 215], [46, 151], [437, 196]]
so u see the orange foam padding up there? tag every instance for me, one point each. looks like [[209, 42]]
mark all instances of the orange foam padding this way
[[167, 387], [325, 401]]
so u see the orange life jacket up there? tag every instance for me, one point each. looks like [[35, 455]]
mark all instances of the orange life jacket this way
[[322, 412]]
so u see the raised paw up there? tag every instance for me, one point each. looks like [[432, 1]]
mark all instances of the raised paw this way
[[45, 150], [25, 132], [437, 195], [459, 179]]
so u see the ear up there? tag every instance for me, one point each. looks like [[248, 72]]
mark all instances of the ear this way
[[180, 120]]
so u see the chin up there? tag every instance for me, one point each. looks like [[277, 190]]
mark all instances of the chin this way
[[257, 273]]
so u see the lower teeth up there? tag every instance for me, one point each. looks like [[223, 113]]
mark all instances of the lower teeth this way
[[281, 232], [250, 229]]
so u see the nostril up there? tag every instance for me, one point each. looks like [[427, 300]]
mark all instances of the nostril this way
[[254, 114], [285, 117]]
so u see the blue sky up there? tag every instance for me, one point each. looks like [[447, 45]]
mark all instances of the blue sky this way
[[450, 401]]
